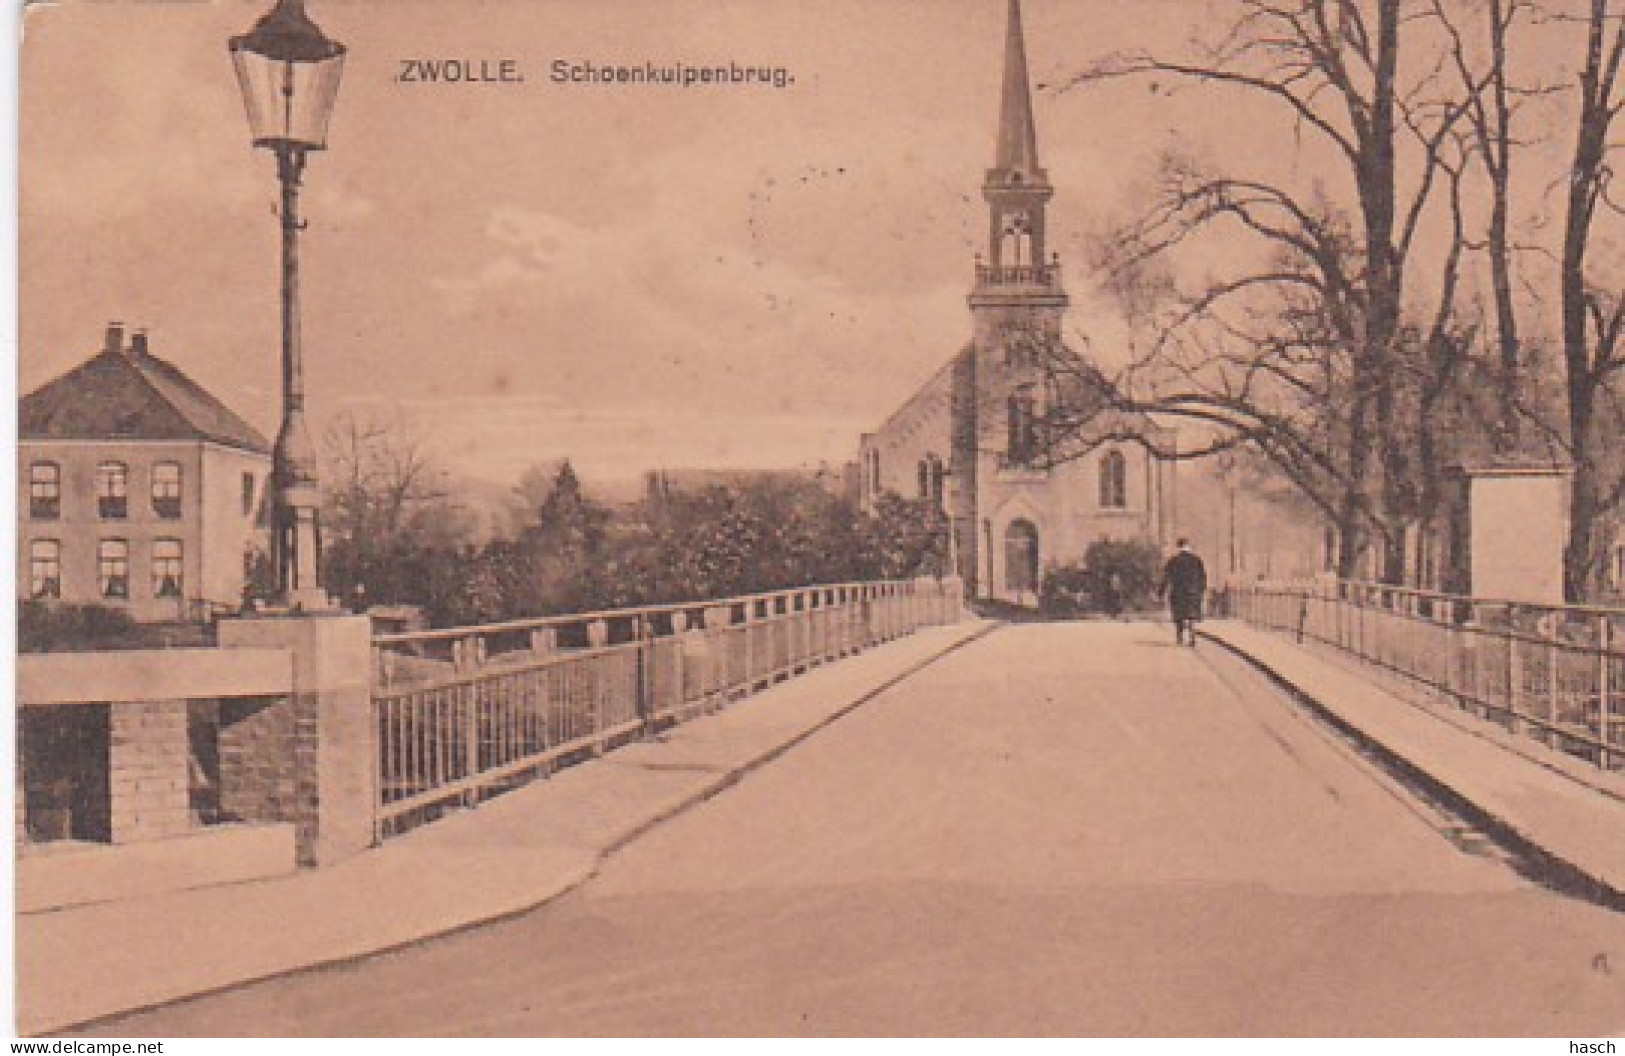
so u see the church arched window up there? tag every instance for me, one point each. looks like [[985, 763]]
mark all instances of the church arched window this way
[[1022, 421], [1113, 480], [1018, 240]]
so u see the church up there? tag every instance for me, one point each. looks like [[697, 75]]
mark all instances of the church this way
[[973, 437]]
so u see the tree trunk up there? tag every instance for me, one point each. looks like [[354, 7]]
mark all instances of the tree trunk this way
[[1587, 175]]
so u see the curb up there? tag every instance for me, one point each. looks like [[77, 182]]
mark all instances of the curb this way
[[687, 802], [1533, 860]]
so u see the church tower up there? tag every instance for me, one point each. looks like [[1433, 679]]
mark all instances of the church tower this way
[[1016, 306], [1021, 499], [1018, 282]]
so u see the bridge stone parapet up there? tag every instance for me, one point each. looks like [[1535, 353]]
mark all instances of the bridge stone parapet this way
[[312, 722], [331, 762], [149, 770], [558, 688]]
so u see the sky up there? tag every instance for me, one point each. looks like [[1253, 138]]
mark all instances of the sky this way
[[626, 275]]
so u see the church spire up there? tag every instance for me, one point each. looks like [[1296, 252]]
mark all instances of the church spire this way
[[1018, 138], [1017, 187]]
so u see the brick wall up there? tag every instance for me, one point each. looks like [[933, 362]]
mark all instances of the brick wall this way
[[149, 766], [256, 760]]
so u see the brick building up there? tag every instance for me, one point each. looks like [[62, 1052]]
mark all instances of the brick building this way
[[137, 488]]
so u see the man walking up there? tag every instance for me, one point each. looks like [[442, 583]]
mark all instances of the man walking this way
[[1184, 580]]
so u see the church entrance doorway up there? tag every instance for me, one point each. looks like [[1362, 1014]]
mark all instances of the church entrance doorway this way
[[1021, 562]]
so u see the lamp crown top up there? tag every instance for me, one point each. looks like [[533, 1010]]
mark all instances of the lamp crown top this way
[[286, 33]]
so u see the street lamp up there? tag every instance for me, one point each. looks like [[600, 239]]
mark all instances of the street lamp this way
[[289, 74]]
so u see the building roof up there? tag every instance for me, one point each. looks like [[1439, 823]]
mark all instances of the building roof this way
[[127, 393]]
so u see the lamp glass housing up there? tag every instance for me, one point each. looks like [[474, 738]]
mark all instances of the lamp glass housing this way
[[289, 74]]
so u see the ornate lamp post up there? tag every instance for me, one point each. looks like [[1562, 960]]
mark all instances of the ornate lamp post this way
[[289, 73]]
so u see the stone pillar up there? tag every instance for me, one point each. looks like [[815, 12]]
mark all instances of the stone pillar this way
[[148, 764], [334, 772], [926, 603], [717, 619], [953, 589]]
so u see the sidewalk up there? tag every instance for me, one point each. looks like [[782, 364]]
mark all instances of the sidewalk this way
[[510, 855], [1564, 813]]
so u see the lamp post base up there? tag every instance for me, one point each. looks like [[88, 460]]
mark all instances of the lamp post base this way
[[313, 602]]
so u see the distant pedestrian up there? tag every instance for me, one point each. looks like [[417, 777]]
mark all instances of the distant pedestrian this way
[[1184, 581], [1112, 596]]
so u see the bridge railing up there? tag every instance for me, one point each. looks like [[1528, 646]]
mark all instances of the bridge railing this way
[[465, 713], [1553, 672]]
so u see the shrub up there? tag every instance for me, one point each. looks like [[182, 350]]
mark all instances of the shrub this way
[[1065, 590], [1124, 568], [46, 628]]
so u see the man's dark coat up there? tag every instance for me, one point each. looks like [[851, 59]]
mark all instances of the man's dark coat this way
[[1184, 578]]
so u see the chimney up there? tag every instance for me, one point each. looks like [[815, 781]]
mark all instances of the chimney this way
[[113, 343], [138, 343]]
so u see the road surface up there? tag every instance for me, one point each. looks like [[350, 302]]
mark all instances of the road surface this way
[[1060, 829]]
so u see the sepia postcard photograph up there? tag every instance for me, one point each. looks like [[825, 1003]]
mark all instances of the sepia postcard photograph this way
[[876, 518]]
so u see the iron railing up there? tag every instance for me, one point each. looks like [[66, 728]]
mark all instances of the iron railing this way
[[1018, 274], [1553, 672], [466, 713]]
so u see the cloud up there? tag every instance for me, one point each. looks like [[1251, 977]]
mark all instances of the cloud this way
[[655, 306], [633, 277]]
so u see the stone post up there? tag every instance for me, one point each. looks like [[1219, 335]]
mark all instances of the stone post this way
[[334, 758], [713, 649], [927, 603], [1606, 691]]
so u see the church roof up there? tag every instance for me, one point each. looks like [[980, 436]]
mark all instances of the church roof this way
[[126, 393], [1018, 137]]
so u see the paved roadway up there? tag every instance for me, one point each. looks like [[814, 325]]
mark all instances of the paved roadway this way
[[1061, 829]]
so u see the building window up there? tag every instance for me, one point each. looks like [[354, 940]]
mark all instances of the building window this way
[[45, 491], [937, 475], [248, 494], [1018, 241], [1113, 481], [113, 490], [166, 489], [1023, 429], [113, 568], [874, 473], [45, 569], [166, 568], [925, 478]]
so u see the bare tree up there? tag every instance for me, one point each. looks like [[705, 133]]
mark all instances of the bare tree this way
[[1593, 305], [1480, 37], [1305, 349], [387, 498], [378, 473]]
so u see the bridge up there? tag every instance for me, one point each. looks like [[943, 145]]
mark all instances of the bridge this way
[[1350, 809]]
